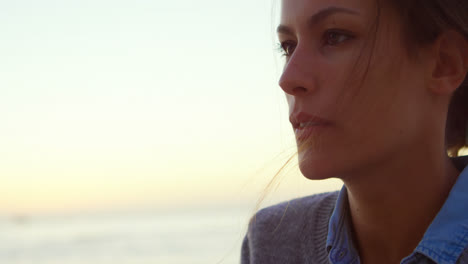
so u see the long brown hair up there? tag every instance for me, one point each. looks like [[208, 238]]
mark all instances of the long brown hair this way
[[424, 21]]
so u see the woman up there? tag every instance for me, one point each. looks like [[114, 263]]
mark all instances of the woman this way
[[378, 98]]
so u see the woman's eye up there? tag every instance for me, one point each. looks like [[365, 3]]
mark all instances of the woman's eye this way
[[331, 37], [335, 37], [287, 48]]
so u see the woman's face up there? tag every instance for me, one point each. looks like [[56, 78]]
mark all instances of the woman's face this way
[[358, 96]]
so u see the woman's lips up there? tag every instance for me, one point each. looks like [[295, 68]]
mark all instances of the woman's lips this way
[[306, 125], [308, 131]]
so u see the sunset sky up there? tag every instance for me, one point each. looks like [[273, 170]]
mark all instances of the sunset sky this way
[[113, 104], [123, 103]]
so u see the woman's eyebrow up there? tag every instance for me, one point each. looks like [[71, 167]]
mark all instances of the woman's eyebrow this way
[[317, 17]]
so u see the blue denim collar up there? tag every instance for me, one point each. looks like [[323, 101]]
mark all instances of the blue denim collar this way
[[340, 244], [443, 242], [447, 236]]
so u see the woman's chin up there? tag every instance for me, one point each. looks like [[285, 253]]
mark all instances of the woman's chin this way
[[317, 168]]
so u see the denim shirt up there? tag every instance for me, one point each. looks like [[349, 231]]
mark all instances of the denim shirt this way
[[444, 242]]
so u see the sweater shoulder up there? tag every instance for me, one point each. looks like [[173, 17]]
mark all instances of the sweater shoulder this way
[[291, 231], [296, 210]]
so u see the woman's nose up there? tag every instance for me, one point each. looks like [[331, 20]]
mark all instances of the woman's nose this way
[[297, 77]]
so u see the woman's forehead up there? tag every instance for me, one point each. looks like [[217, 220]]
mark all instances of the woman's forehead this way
[[298, 11]]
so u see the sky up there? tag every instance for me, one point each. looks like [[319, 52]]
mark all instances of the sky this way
[[118, 104], [126, 103]]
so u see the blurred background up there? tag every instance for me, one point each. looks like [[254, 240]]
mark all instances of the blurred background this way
[[139, 131]]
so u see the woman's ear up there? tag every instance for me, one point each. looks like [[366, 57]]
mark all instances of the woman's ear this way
[[450, 52]]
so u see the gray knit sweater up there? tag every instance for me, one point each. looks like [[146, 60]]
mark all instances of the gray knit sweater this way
[[290, 232], [296, 231]]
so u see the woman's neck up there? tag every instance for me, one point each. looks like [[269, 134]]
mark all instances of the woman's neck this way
[[392, 205]]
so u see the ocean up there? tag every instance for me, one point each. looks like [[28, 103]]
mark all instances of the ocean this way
[[208, 235]]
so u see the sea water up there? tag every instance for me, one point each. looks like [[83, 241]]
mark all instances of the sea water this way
[[169, 236]]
